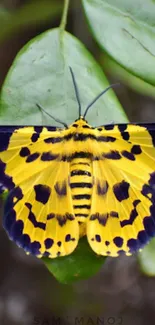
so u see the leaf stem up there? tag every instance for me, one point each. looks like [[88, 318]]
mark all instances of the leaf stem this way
[[64, 15]]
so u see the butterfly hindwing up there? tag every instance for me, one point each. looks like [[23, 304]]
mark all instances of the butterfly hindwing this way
[[122, 217]]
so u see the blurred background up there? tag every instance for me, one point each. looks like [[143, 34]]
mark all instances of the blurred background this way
[[29, 294]]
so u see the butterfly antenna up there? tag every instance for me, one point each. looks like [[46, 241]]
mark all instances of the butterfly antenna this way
[[55, 119], [96, 98], [76, 90]]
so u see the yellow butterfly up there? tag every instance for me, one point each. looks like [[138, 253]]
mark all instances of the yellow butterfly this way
[[79, 180]]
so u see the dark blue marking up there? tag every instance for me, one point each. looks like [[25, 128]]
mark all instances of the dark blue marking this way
[[50, 216], [54, 140], [46, 254], [25, 242], [35, 137], [114, 214], [32, 157], [51, 128], [129, 221], [24, 152], [34, 248], [113, 154], [102, 188], [98, 238], [152, 134], [149, 226], [61, 188], [143, 237], [4, 140], [16, 230], [136, 202], [42, 193], [133, 245], [48, 243], [136, 150], [128, 155], [5, 179], [121, 191], [121, 252], [48, 156], [109, 127], [68, 237], [38, 129], [32, 218], [9, 219], [107, 243], [118, 241], [122, 127], [59, 243], [125, 136]]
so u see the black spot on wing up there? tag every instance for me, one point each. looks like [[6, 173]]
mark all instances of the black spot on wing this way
[[133, 245], [136, 150], [149, 226], [53, 140], [5, 179], [102, 218], [133, 215], [152, 134], [68, 238], [102, 187], [24, 152], [122, 127], [143, 237], [32, 157], [35, 137], [109, 127], [34, 248], [118, 241], [128, 155], [48, 156], [5, 136], [121, 191], [42, 193], [125, 135], [48, 243], [98, 238], [62, 219], [32, 218], [113, 154], [61, 188]]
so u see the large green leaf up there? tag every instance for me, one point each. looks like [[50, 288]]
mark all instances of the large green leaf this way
[[32, 13], [126, 77], [77, 266], [126, 31], [40, 74]]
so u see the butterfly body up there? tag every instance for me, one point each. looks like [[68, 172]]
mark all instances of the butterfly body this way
[[80, 180]]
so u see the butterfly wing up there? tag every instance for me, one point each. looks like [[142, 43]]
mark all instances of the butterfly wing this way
[[122, 215], [38, 213]]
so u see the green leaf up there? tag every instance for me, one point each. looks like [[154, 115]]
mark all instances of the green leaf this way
[[147, 259], [127, 78], [40, 74], [126, 31], [32, 13], [75, 267]]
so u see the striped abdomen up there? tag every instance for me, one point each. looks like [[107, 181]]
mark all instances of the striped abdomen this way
[[81, 187]]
